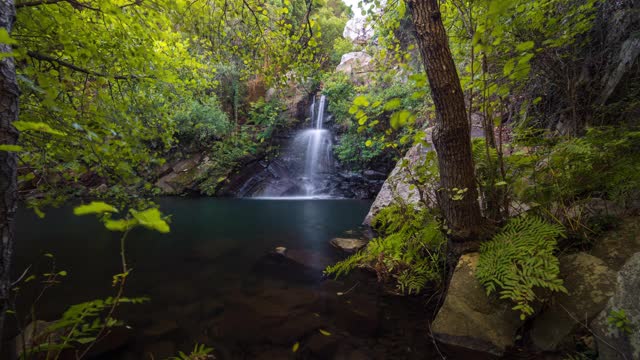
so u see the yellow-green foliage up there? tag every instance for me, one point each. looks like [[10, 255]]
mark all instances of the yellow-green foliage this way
[[519, 259], [409, 249]]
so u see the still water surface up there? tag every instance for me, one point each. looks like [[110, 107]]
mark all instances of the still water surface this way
[[212, 280]]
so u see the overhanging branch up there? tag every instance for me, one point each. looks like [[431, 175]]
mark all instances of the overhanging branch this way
[[43, 57]]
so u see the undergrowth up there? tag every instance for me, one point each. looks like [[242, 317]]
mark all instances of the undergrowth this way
[[408, 251], [519, 259]]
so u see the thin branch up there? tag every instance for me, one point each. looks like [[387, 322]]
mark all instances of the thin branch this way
[[26, 271], [75, 4], [71, 66]]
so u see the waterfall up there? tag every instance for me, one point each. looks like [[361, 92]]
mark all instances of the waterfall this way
[[318, 157], [304, 169], [308, 159]]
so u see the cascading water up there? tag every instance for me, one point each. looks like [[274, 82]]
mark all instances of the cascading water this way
[[318, 158], [308, 160]]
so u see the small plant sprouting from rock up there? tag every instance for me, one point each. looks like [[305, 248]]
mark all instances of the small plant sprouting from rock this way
[[619, 320]]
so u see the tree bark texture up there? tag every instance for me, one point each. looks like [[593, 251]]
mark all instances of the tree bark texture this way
[[451, 136], [9, 94]]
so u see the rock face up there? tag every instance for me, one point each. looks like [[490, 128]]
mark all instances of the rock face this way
[[356, 64], [612, 342], [472, 320], [357, 30], [183, 175], [618, 245], [348, 245], [590, 284], [397, 185]]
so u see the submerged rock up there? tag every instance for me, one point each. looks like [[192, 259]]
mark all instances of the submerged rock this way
[[472, 320], [348, 245], [590, 284], [613, 342]]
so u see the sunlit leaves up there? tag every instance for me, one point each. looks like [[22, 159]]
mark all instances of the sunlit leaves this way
[[361, 101], [95, 207], [401, 118], [10, 148], [151, 219], [36, 126], [5, 38], [120, 225]]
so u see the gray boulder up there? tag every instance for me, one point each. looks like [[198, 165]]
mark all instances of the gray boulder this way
[[620, 244], [590, 284], [397, 187], [612, 342], [356, 64], [472, 320], [348, 245]]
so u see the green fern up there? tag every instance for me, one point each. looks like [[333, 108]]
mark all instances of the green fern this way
[[519, 259], [199, 352], [409, 250]]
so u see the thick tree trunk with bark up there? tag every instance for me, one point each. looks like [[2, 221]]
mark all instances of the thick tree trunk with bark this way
[[8, 160], [451, 136]]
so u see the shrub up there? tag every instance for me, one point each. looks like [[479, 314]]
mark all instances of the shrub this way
[[409, 250], [201, 124], [267, 115], [352, 152]]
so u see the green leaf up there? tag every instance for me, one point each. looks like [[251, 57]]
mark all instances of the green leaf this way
[[95, 207], [10, 148], [151, 219], [508, 67], [400, 118], [527, 45], [120, 225], [361, 101], [392, 104], [5, 38], [37, 126]]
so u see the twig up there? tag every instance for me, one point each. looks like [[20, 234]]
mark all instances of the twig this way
[[21, 277], [346, 292], [591, 331], [51, 59], [433, 340]]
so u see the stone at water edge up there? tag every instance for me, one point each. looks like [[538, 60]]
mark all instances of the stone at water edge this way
[[281, 250], [348, 245], [590, 284], [469, 318], [36, 334], [397, 187], [611, 342]]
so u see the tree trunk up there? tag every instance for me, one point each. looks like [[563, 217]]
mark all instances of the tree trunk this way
[[8, 160], [458, 195]]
